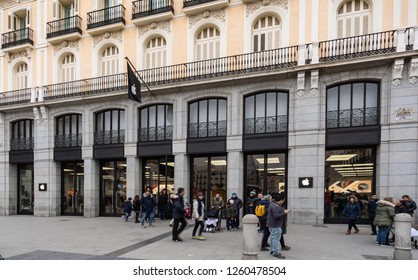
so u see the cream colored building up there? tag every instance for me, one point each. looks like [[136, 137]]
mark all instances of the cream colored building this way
[[317, 99]]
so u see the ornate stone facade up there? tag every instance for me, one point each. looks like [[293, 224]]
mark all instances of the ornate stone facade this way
[[219, 15], [72, 44], [252, 7], [164, 26], [118, 36]]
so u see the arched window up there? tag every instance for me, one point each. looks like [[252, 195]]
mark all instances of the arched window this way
[[22, 135], [265, 112], [353, 104], [207, 118], [68, 68], [110, 61], [353, 18], [156, 53], [156, 123], [21, 76], [110, 127], [266, 34], [68, 131], [208, 44]]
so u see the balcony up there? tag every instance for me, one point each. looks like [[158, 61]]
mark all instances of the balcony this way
[[160, 133], [68, 140], [13, 97], [193, 7], [21, 144], [108, 137], [17, 40], [380, 47], [353, 117], [207, 129], [64, 29], [106, 20], [261, 125], [145, 12]]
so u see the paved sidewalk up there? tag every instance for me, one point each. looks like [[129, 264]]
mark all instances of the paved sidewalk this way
[[78, 238]]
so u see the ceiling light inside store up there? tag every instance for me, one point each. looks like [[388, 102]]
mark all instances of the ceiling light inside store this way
[[341, 157], [68, 170], [269, 160], [168, 164], [220, 162], [107, 168]]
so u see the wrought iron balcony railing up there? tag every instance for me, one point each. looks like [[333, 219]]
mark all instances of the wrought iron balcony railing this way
[[189, 3], [21, 144], [106, 16], [68, 140], [63, 26], [17, 37], [19, 96], [357, 46], [143, 8], [109, 137], [353, 117], [264, 125], [159, 133], [207, 129]]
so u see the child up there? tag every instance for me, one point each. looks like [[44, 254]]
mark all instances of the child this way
[[127, 208], [230, 215]]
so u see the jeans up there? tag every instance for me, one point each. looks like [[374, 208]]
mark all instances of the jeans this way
[[266, 235], [382, 234], [176, 230], [127, 215], [147, 215], [275, 234], [230, 224], [198, 223]]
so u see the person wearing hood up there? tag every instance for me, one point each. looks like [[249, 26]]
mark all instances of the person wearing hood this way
[[238, 205], [409, 204], [371, 210], [385, 214], [352, 212]]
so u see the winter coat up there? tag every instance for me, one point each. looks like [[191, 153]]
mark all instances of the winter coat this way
[[410, 207], [127, 206], [275, 216], [178, 207], [266, 204], [137, 205], [371, 207], [237, 203], [230, 212], [352, 211], [162, 202], [195, 214], [147, 204], [218, 203], [385, 213]]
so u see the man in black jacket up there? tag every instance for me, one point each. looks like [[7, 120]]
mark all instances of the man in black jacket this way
[[410, 204], [371, 210], [178, 215]]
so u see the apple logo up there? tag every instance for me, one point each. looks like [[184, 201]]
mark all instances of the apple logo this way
[[305, 182]]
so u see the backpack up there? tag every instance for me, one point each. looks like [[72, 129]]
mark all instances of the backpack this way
[[260, 210]]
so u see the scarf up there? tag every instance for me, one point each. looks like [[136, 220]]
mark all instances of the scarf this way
[[199, 207]]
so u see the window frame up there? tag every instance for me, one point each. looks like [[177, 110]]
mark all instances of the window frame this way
[[207, 117]]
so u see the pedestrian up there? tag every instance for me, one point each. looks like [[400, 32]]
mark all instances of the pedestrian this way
[[410, 204], [352, 212], [198, 216], [178, 215], [230, 215], [371, 210], [238, 205], [127, 207], [400, 207], [137, 207], [251, 201], [162, 204], [147, 205], [385, 214], [263, 220], [275, 219], [284, 231], [217, 202]]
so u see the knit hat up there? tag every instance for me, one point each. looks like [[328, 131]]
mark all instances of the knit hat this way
[[234, 195], [253, 192]]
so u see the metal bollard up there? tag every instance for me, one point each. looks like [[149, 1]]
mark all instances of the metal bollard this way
[[402, 237], [250, 237]]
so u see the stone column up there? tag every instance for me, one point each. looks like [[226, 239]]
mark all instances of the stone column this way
[[91, 184], [133, 176], [402, 237], [250, 237], [181, 173]]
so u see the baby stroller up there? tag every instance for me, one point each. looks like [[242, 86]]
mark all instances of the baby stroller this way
[[212, 221]]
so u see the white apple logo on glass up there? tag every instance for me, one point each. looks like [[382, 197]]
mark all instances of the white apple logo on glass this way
[[305, 182]]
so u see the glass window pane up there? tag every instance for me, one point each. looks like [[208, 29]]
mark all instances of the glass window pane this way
[[169, 114], [222, 110], [60, 126], [282, 104], [107, 120], [371, 95], [260, 105], [193, 112], [67, 124], [213, 106], [144, 118], [203, 105], [271, 104], [332, 99], [276, 173], [345, 97], [99, 122], [358, 95], [161, 115], [122, 119], [249, 107], [115, 119], [152, 116]]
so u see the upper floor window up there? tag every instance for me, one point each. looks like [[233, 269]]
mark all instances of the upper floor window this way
[[208, 44], [21, 77], [156, 123], [353, 104], [353, 18], [68, 131], [266, 34], [18, 20], [156, 53], [110, 61], [265, 112], [110, 127], [207, 118], [22, 135], [68, 68], [65, 8]]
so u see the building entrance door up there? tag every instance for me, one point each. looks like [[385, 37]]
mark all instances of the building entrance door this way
[[112, 187], [25, 195], [72, 187]]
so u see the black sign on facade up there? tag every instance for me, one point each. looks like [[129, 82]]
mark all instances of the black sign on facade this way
[[42, 187], [305, 182]]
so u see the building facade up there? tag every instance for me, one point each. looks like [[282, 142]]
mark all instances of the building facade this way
[[316, 99]]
